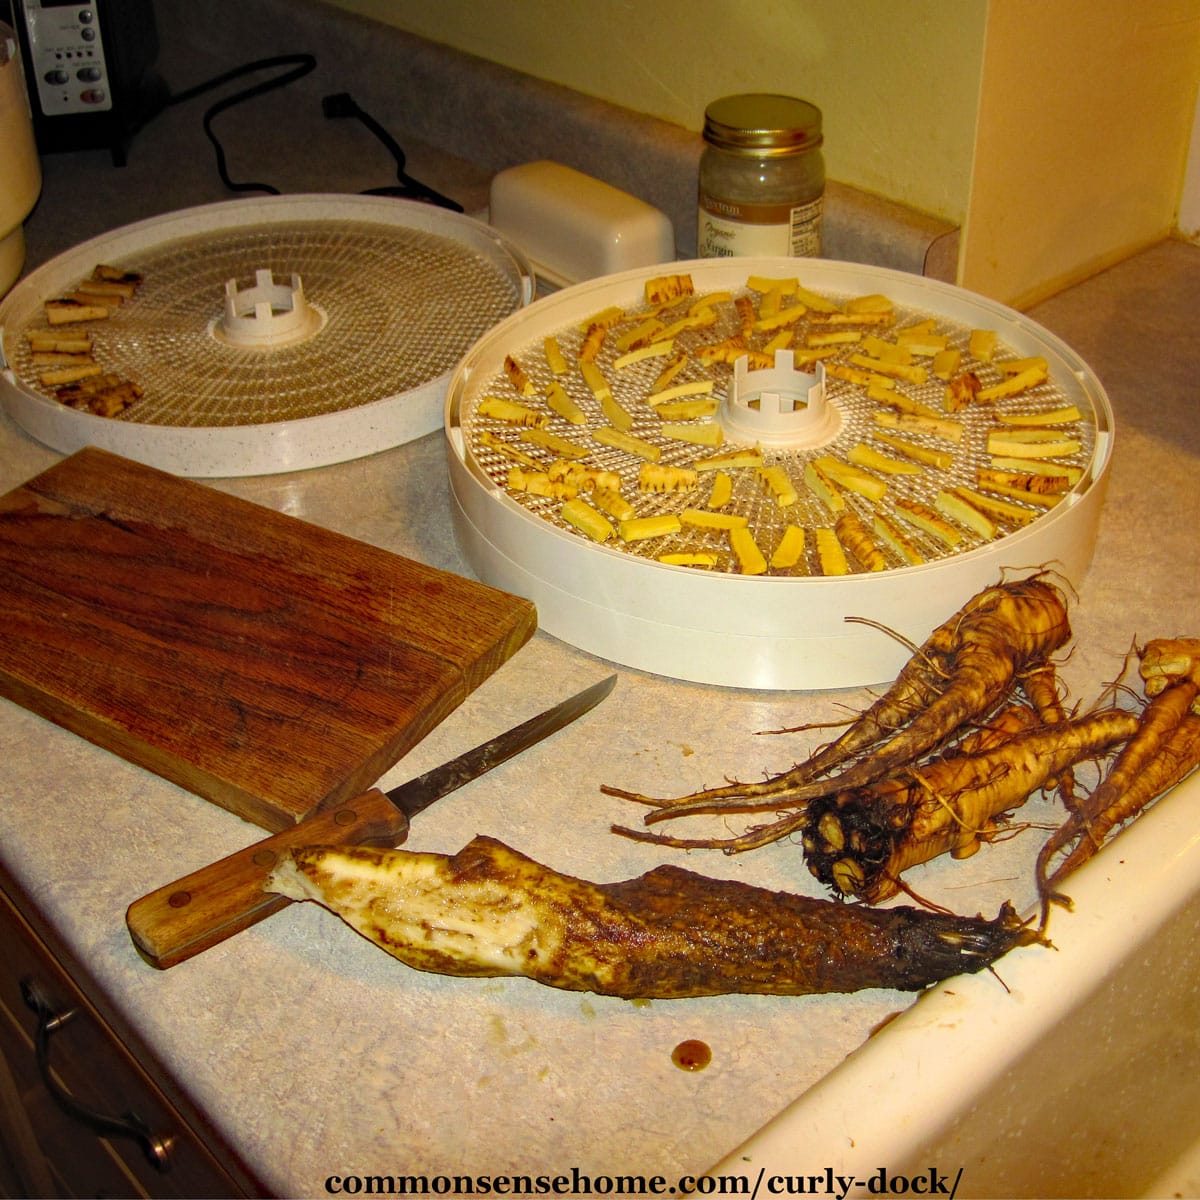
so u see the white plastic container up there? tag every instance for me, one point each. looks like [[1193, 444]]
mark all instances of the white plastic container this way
[[22, 178], [572, 227]]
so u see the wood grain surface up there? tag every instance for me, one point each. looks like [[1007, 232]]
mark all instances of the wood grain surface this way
[[266, 664]]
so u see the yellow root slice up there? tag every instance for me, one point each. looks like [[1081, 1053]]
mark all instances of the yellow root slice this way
[[750, 558], [830, 555], [655, 477], [618, 439], [791, 546], [587, 520], [515, 413]]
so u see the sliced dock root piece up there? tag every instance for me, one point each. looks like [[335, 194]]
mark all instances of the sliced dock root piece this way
[[58, 341], [1032, 443], [690, 558], [539, 483], [104, 395], [68, 311], [779, 484], [58, 375], [558, 400], [854, 537], [514, 413], [666, 288], [790, 548], [657, 477], [640, 529], [620, 439], [892, 536], [751, 560], [587, 520], [516, 376], [831, 554], [128, 281], [669, 934]]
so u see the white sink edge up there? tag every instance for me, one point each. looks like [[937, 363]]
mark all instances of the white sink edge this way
[[900, 1089]]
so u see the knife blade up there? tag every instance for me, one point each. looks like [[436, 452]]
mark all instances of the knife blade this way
[[177, 921]]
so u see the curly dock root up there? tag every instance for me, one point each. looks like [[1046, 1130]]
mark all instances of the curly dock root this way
[[860, 842], [668, 934], [1164, 749], [965, 669]]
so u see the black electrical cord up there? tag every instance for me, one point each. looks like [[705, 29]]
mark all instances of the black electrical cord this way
[[299, 64], [340, 105], [343, 105]]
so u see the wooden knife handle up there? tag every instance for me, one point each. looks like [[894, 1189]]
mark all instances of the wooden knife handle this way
[[204, 908]]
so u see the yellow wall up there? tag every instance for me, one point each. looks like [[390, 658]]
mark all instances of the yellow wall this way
[[897, 82], [1083, 131], [1055, 132]]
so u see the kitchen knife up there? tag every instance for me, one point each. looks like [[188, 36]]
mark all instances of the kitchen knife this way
[[183, 918]]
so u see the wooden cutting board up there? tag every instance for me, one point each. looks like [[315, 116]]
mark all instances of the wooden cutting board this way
[[264, 663]]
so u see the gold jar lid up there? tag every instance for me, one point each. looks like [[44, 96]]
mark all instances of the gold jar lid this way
[[763, 123]]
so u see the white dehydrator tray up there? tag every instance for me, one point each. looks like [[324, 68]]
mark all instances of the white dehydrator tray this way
[[394, 292], [793, 629]]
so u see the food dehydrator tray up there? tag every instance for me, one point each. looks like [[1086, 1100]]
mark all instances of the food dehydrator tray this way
[[370, 303], [789, 627]]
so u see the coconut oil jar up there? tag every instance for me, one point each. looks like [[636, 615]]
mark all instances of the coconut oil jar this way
[[762, 178]]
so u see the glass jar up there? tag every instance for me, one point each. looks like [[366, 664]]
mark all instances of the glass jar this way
[[762, 178]]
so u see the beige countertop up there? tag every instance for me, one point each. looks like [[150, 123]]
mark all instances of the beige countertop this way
[[314, 1054]]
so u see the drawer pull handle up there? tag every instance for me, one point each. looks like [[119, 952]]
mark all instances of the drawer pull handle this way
[[155, 1146]]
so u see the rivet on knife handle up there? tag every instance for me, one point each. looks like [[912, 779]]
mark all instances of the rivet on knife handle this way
[[181, 919]]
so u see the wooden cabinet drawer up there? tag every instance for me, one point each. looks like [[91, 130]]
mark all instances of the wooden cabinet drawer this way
[[94, 1069], [52, 1156]]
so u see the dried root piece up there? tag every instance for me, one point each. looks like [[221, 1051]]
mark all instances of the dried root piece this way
[[105, 395], [67, 311], [57, 341], [854, 537], [789, 549], [539, 483], [129, 281], [620, 439], [561, 403], [669, 934], [593, 340], [580, 514], [657, 477], [639, 529], [665, 289], [962, 391], [60, 374], [501, 409], [750, 559]]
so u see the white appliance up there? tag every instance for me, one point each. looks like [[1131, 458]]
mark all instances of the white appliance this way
[[20, 170]]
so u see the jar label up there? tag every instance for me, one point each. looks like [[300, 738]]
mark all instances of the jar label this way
[[735, 230]]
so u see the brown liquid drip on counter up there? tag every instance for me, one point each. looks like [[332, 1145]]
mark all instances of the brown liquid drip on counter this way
[[691, 1055]]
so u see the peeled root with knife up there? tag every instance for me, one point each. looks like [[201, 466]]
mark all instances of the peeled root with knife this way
[[193, 914], [669, 934], [488, 910]]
